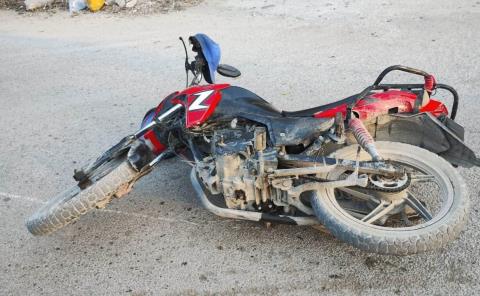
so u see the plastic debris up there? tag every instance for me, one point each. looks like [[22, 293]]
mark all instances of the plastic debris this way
[[124, 3], [34, 4], [95, 5], [75, 6]]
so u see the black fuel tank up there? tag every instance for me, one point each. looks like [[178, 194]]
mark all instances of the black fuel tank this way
[[240, 102], [283, 130]]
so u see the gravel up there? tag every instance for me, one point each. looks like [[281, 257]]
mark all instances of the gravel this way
[[70, 87]]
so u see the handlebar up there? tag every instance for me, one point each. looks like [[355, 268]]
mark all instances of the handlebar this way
[[157, 120]]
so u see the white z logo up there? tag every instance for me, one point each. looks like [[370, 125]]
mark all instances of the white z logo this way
[[201, 96]]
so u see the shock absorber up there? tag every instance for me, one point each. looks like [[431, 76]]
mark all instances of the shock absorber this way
[[364, 138]]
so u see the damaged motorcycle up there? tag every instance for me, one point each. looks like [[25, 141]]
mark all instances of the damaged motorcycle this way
[[377, 168]]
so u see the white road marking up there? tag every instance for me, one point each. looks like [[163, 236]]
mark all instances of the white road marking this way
[[14, 196], [38, 201]]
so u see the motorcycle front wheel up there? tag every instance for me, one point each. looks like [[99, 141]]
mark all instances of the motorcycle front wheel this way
[[422, 211], [113, 178]]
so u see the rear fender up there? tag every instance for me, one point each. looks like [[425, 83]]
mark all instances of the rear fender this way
[[443, 137], [117, 150], [387, 102]]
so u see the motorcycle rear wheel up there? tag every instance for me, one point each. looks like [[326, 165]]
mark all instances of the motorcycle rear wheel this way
[[434, 233], [111, 179]]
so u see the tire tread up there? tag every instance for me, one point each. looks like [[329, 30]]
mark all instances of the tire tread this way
[[52, 217], [449, 228]]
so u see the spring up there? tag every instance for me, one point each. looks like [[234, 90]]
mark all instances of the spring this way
[[360, 132], [364, 138]]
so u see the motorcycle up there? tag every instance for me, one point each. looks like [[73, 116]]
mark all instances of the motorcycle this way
[[376, 168]]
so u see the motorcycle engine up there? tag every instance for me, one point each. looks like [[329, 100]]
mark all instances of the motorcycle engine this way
[[237, 167]]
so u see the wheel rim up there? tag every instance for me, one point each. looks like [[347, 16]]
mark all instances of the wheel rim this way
[[426, 172], [67, 195]]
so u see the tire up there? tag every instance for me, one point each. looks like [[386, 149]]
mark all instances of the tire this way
[[113, 178], [431, 235]]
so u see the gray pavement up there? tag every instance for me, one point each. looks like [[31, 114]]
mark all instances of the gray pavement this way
[[70, 87]]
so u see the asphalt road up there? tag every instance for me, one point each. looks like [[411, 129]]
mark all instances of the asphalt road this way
[[70, 87]]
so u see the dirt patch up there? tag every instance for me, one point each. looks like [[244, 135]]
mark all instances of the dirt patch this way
[[142, 7], [11, 4], [153, 6]]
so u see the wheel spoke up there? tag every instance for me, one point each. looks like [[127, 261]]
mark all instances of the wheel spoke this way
[[418, 207], [380, 211], [380, 207], [359, 195], [360, 212], [355, 213]]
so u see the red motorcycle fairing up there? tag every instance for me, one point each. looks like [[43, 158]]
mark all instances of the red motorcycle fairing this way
[[200, 103], [388, 102]]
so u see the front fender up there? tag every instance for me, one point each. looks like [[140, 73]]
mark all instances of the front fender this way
[[424, 130], [83, 174]]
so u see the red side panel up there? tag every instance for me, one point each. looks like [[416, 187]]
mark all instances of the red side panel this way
[[392, 101], [435, 107], [199, 103], [202, 101]]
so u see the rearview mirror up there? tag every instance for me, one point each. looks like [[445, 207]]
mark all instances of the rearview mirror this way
[[228, 71]]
